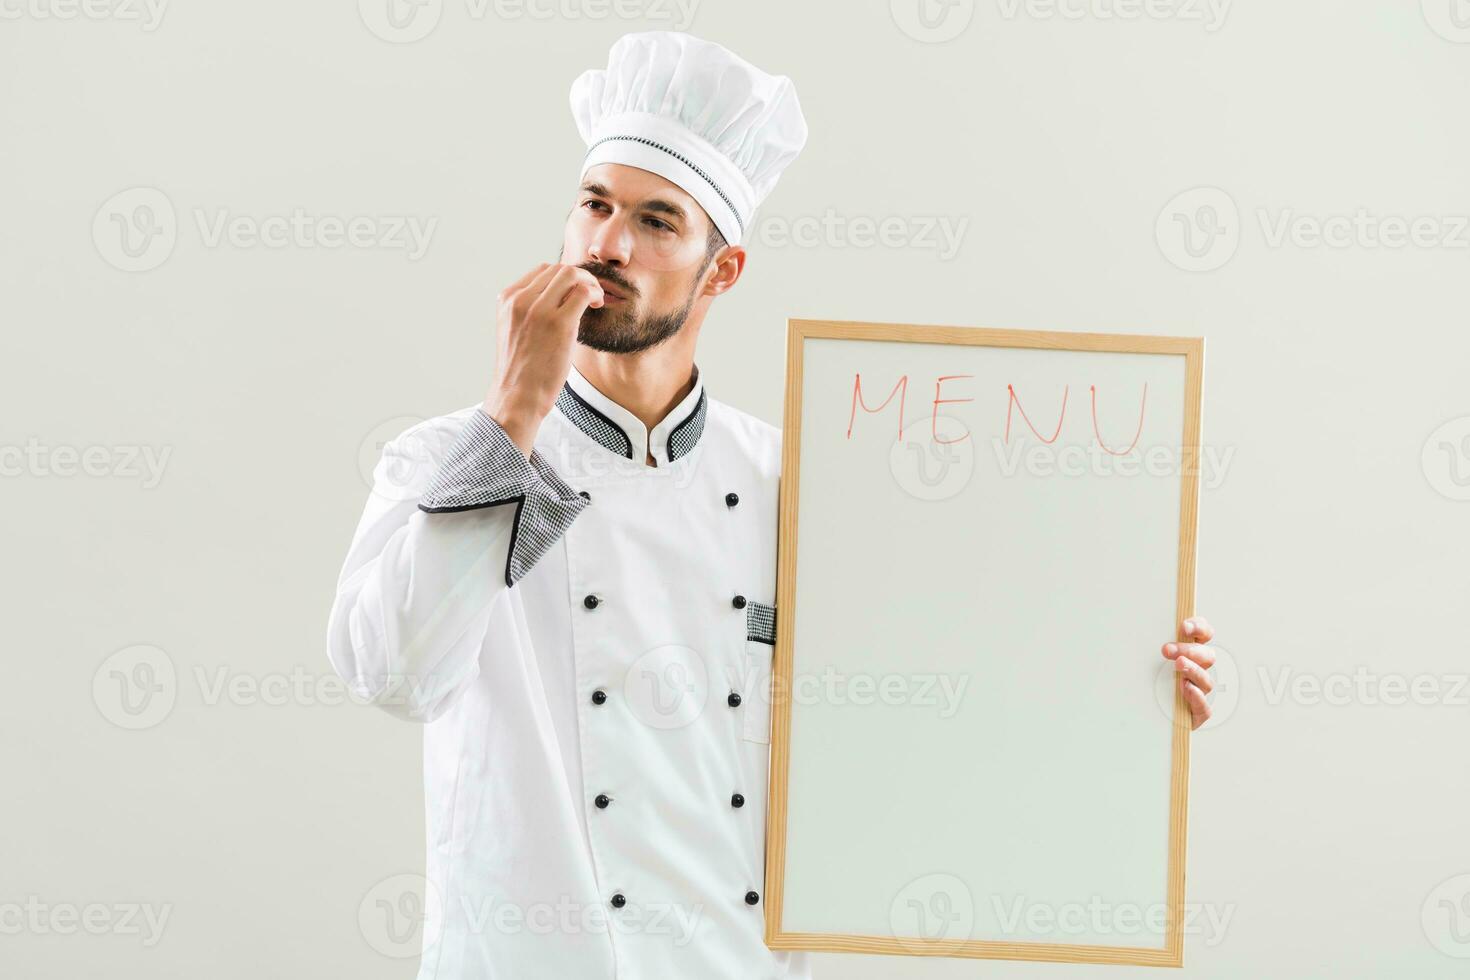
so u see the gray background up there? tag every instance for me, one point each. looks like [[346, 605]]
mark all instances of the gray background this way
[[266, 819]]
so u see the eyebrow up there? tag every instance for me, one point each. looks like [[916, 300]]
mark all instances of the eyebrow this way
[[652, 204]]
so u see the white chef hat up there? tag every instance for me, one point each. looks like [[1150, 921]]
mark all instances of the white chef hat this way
[[696, 114]]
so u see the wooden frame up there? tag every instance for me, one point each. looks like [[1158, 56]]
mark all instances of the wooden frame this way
[[798, 331]]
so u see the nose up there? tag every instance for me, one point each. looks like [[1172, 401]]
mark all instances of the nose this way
[[611, 242]]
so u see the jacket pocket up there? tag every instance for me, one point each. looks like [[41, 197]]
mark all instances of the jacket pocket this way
[[760, 645]]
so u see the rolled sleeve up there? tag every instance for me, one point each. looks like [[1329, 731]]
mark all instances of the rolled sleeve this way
[[484, 468]]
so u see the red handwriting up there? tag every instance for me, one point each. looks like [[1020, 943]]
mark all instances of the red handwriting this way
[[1013, 400], [1142, 402]]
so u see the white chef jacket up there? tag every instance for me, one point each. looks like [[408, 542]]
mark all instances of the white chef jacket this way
[[592, 666]]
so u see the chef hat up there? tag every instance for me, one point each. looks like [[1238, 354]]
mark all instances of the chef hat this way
[[694, 113]]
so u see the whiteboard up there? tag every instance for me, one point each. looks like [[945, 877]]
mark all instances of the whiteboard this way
[[977, 749]]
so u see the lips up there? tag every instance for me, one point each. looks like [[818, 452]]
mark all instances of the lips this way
[[609, 291]]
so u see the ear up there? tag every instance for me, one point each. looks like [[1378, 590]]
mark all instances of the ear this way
[[728, 263]]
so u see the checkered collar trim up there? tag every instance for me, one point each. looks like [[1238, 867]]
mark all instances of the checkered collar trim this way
[[620, 431]]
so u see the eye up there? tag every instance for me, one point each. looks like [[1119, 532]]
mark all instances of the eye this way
[[659, 225], [593, 204]]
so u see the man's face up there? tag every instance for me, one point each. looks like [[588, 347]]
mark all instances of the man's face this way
[[648, 241]]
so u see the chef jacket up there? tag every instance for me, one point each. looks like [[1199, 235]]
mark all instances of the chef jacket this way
[[588, 641]]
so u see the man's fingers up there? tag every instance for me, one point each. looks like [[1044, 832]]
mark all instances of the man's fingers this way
[[522, 282], [1198, 652], [1197, 629], [585, 291], [570, 285], [523, 299], [1194, 673], [1199, 708]]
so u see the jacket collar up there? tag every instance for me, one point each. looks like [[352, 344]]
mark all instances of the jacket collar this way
[[621, 432]]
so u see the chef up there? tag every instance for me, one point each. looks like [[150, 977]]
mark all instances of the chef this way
[[572, 584]]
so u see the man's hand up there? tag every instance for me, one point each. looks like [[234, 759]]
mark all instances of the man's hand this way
[[536, 322], [1192, 658]]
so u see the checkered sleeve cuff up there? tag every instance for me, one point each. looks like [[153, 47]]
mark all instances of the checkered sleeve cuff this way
[[760, 622], [484, 468]]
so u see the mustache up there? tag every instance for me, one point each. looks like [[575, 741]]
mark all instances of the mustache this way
[[603, 271]]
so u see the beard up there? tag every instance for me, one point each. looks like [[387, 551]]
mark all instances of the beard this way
[[627, 327]]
